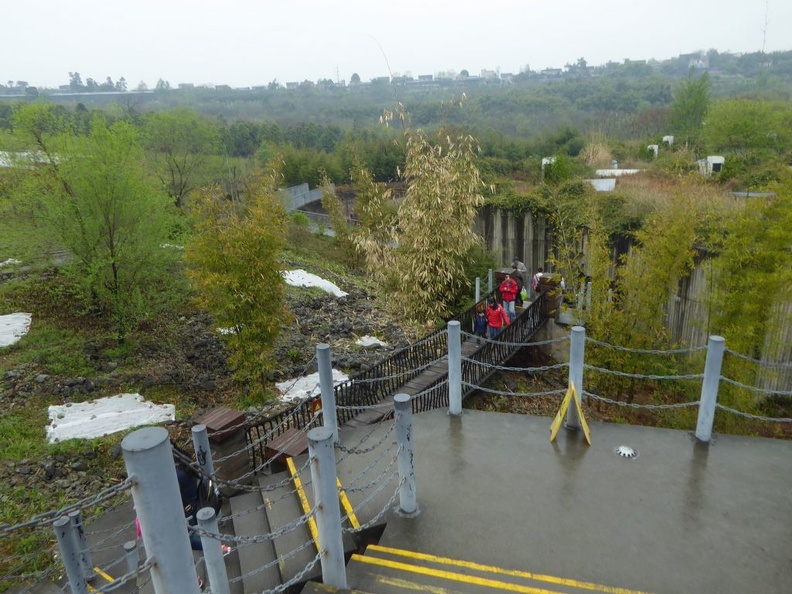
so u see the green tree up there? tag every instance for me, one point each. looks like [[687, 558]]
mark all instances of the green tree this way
[[689, 108], [92, 195], [233, 259], [753, 281], [738, 125], [178, 143], [434, 230]]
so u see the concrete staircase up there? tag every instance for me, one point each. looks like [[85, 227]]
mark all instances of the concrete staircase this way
[[385, 570]]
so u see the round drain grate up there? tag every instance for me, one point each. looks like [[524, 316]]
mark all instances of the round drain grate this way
[[626, 452]]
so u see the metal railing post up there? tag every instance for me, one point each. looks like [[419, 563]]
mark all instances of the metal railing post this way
[[203, 453], [489, 281], [70, 553], [328, 508], [326, 387], [132, 562], [709, 387], [478, 289], [408, 501], [155, 492], [75, 518], [213, 552], [577, 348], [454, 368]]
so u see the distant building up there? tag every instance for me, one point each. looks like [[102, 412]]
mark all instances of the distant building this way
[[712, 164]]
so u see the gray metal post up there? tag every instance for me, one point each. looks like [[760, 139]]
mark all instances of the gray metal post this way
[[203, 454], [75, 518], [709, 387], [489, 281], [478, 289], [328, 508], [326, 387], [588, 295], [408, 501], [454, 368], [132, 562], [213, 552], [70, 553], [155, 492], [577, 347]]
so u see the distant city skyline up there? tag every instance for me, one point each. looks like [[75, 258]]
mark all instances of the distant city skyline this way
[[243, 43]]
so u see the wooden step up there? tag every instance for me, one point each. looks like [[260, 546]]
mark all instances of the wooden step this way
[[254, 556]]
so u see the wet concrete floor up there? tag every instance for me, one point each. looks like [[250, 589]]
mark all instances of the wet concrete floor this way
[[681, 517]]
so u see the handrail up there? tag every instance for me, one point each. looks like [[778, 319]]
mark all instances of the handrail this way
[[376, 383]]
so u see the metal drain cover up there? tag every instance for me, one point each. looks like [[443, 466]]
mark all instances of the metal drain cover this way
[[626, 452]]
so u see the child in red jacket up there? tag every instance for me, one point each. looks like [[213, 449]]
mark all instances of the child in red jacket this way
[[497, 318]]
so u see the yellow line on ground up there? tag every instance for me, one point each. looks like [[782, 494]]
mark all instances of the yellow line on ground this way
[[451, 576], [109, 578], [350, 511], [303, 500], [499, 570]]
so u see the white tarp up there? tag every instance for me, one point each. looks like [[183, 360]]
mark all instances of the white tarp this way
[[368, 341], [300, 278], [13, 327], [305, 387], [95, 418]]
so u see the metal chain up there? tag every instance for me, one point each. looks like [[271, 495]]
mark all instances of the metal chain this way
[[518, 369], [48, 517], [647, 351], [258, 538], [369, 466], [691, 376], [525, 344], [633, 405], [757, 390], [354, 381], [275, 562], [765, 364], [371, 448], [516, 394], [754, 417], [382, 512]]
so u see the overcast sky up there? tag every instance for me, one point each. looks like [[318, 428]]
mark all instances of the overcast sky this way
[[252, 42]]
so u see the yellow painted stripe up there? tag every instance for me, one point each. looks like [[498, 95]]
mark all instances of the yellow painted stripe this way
[[404, 585], [451, 576], [303, 500], [104, 575], [350, 511], [499, 570]]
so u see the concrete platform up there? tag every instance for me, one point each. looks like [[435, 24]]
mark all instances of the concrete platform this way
[[681, 517]]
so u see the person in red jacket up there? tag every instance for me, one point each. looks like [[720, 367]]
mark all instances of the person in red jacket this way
[[497, 318], [508, 290]]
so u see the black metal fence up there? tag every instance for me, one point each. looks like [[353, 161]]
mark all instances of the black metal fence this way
[[384, 379]]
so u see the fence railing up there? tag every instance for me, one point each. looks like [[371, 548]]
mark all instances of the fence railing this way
[[385, 378]]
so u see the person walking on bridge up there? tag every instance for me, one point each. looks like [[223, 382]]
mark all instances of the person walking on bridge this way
[[497, 318], [508, 290]]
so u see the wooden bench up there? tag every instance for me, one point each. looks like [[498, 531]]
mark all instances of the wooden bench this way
[[292, 442]]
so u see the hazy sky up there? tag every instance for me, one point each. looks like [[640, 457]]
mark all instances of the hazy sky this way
[[252, 42]]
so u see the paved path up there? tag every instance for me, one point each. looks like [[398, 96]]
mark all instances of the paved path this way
[[680, 518]]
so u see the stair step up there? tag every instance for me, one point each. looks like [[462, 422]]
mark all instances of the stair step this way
[[305, 480], [283, 508], [254, 556], [319, 588]]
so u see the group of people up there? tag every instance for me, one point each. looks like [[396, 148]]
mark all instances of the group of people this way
[[492, 319]]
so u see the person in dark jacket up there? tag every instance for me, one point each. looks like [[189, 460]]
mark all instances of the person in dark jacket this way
[[480, 324]]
